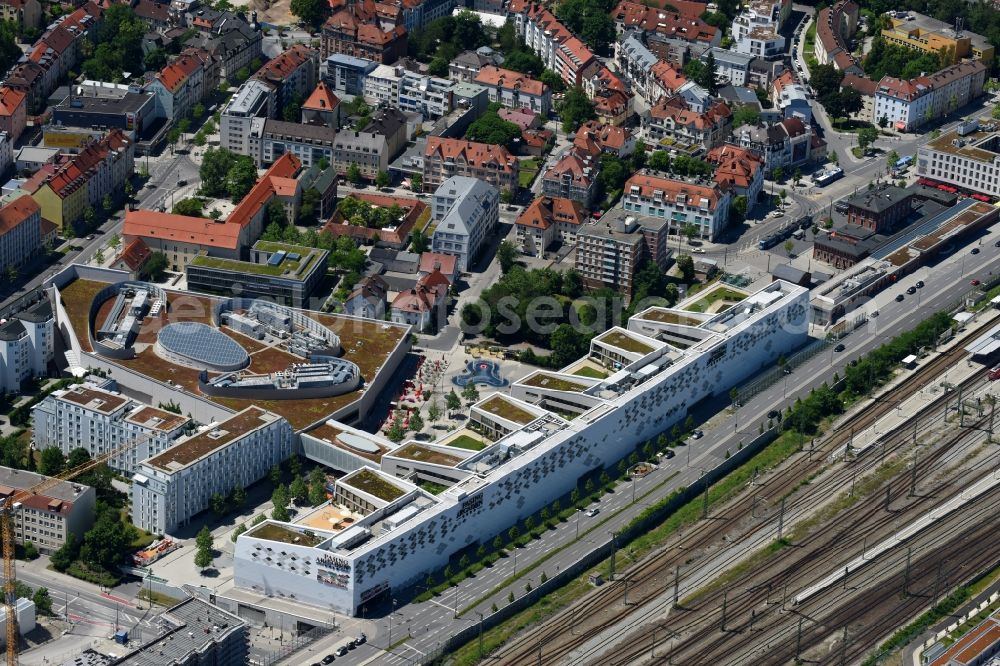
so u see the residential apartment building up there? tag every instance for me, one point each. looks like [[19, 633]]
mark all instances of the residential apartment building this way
[[671, 121], [444, 158], [100, 420], [346, 74], [293, 74], [835, 27], [682, 201], [665, 24], [232, 43], [254, 99], [27, 345], [791, 97], [172, 487], [633, 59], [270, 139], [739, 170], [784, 144], [547, 220], [608, 257], [594, 138], [967, 157], [357, 30], [178, 87], [429, 96], [47, 519], [20, 233], [366, 150], [417, 305], [466, 211], [731, 66], [956, 86], [321, 108], [559, 49], [761, 14], [468, 63], [84, 179], [911, 30], [391, 123], [515, 90], [910, 104], [573, 176], [762, 43], [25, 14], [13, 112]]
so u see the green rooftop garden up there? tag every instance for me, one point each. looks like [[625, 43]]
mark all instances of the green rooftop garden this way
[[373, 484], [626, 342], [543, 380], [282, 534], [427, 455], [718, 294], [507, 410], [468, 443], [291, 270], [587, 371], [670, 318]]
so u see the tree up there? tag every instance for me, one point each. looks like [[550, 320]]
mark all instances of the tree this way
[[685, 264], [492, 129], [108, 542], [513, 533], [204, 540], [30, 552], [218, 504], [240, 529], [419, 242], [777, 173], [434, 411], [203, 559], [77, 457], [89, 217], [506, 255], [156, 266], [317, 487], [797, 176], [241, 178], [67, 553], [866, 137], [354, 174], [745, 115], [709, 79], [575, 109], [452, 401], [825, 79], [299, 490], [191, 207], [789, 246], [275, 213], [506, 196], [381, 180], [215, 166], [470, 392], [237, 496], [417, 182], [396, 433], [416, 423], [51, 461], [42, 600], [280, 499], [891, 159], [198, 110], [690, 231]]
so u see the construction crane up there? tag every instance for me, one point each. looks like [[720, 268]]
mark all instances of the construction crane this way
[[11, 504]]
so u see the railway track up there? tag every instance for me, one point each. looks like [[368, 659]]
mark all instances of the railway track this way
[[750, 595], [650, 578]]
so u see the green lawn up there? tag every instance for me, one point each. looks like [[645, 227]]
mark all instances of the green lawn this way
[[466, 442], [529, 169], [721, 294], [587, 371]]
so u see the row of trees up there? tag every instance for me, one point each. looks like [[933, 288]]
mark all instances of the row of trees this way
[[491, 128]]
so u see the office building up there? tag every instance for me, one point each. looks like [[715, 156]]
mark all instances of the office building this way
[[912, 30], [967, 157], [285, 274], [46, 519], [102, 104], [172, 487], [466, 210], [27, 345], [254, 99], [880, 210], [347, 74]]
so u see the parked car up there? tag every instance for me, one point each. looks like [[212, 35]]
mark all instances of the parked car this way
[[997, 244], [975, 250], [328, 658], [874, 313], [697, 434], [773, 414], [899, 298], [342, 651], [839, 348], [361, 639]]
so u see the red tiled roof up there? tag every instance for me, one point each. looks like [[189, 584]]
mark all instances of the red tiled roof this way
[[670, 189], [865, 86], [176, 73], [435, 281], [474, 153], [430, 261], [16, 212], [543, 212], [10, 100], [285, 167], [135, 255], [669, 23], [610, 103], [181, 228], [734, 165], [577, 166], [285, 63], [594, 135], [321, 99], [491, 75], [668, 76], [418, 299]]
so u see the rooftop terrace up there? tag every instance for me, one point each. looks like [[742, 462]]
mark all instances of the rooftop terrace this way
[[506, 409], [374, 484], [285, 534], [624, 341], [188, 450], [554, 382], [421, 453]]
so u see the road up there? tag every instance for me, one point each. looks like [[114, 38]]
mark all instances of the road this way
[[165, 171], [427, 624]]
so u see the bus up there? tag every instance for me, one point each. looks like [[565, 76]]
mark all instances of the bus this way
[[827, 177]]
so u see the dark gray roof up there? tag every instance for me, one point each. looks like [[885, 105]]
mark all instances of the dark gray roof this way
[[300, 131], [12, 330], [37, 313], [193, 625], [880, 199], [128, 103], [386, 121], [789, 273]]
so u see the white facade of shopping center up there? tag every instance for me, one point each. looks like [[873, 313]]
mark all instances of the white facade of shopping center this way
[[403, 539]]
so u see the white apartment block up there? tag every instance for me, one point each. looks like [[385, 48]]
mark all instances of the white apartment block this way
[[681, 201], [6, 152], [100, 421], [27, 344], [170, 488], [254, 99], [761, 14], [20, 232], [905, 104], [761, 43], [47, 519], [382, 84], [409, 91], [968, 157], [730, 66], [398, 533], [466, 210]]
